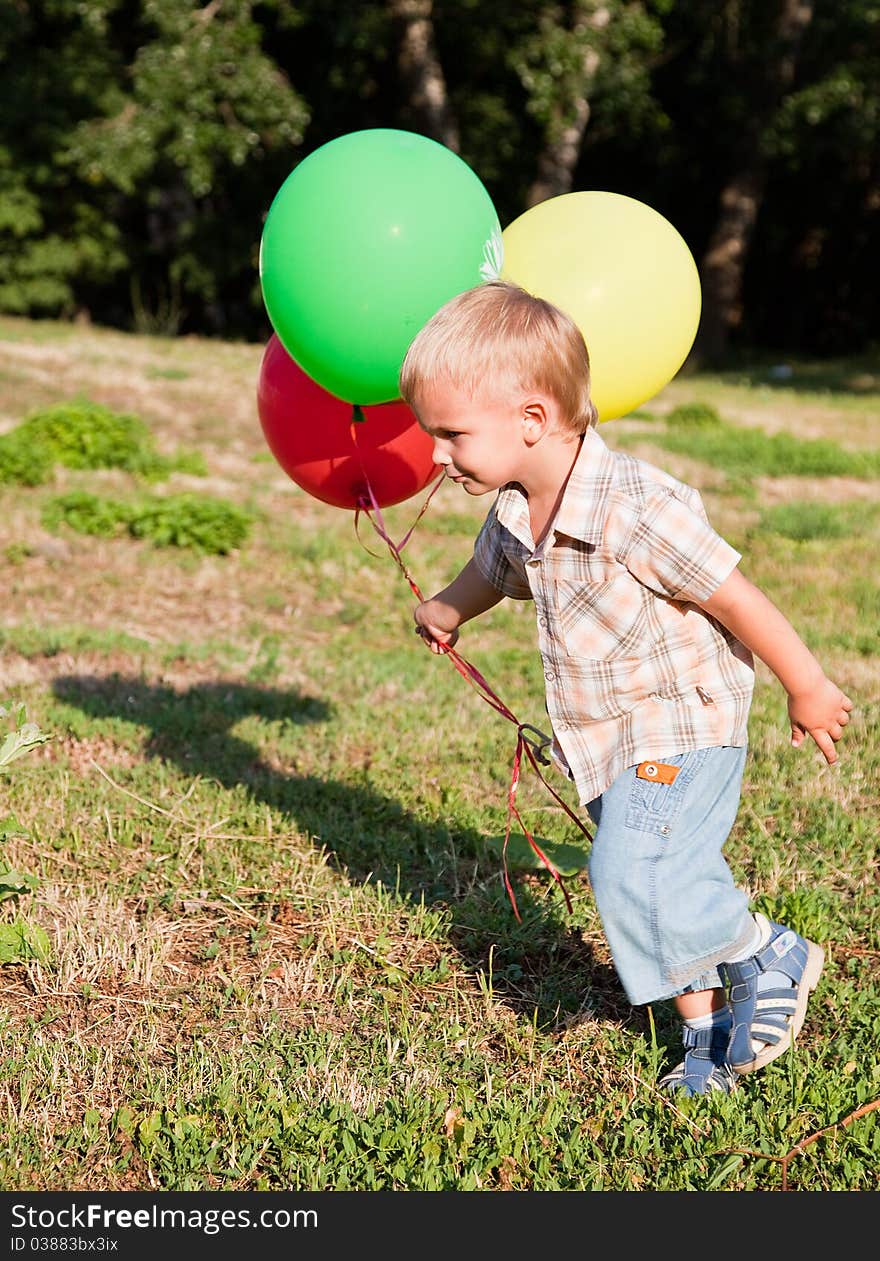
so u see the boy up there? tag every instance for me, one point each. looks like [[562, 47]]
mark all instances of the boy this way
[[646, 630]]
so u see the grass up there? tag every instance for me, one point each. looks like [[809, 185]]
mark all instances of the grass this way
[[264, 839], [700, 433]]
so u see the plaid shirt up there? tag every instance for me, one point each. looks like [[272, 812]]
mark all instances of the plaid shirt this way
[[633, 668]]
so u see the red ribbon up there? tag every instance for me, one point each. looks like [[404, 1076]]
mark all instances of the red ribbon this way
[[371, 510]]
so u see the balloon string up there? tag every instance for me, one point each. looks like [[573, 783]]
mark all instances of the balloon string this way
[[369, 506]]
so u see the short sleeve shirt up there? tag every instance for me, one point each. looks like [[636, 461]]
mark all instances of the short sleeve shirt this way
[[633, 668]]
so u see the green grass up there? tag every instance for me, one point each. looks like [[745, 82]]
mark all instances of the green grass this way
[[264, 844], [806, 520], [749, 453]]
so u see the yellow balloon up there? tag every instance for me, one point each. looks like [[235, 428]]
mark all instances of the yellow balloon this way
[[626, 278]]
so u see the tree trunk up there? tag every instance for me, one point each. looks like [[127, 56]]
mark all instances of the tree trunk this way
[[426, 106], [724, 262], [559, 157], [565, 135]]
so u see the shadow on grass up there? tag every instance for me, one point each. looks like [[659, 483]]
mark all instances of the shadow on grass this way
[[539, 964]]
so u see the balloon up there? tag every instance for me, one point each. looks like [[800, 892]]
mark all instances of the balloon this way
[[309, 433], [363, 242], [626, 278]]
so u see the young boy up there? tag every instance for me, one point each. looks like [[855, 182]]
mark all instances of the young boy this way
[[646, 630]]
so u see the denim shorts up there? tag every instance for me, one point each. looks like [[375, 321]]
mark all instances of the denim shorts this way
[[669, 907]]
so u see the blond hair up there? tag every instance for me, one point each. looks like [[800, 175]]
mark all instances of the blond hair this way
[[498, 337]]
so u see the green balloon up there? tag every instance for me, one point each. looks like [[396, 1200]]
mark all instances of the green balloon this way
[[363, 242]]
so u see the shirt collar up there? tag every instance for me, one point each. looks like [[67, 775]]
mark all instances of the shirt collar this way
[[581, 514]]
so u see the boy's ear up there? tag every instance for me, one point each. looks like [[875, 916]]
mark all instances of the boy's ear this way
[[535, 419]]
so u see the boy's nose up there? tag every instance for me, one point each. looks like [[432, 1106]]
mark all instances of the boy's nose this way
[[440, 456]]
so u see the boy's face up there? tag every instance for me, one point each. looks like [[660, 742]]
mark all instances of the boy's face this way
[[477, 441]]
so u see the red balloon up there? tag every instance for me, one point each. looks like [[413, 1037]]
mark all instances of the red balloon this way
[[309, 433]]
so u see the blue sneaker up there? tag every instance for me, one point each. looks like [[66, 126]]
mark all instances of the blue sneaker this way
[[704, 1068], [768, 995]]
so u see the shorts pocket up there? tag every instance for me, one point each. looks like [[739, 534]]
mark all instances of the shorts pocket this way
[[653, 806]]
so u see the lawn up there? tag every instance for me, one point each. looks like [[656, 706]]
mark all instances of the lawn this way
[[256, 930]]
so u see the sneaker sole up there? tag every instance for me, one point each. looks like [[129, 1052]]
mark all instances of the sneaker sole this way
[[809, 981]]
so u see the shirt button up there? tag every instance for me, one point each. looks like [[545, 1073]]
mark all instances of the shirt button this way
[[533, 563], [549, 676], [542, 621]]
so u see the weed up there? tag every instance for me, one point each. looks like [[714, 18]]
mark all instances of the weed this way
[[203, 525], [84, 435], [86, 513], [209, 526], [19, 940], [16, 553]]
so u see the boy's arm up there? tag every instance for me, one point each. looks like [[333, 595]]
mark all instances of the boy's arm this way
[[438, 619], [815, 704]]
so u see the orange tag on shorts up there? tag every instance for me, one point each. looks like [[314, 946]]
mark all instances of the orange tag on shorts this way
[[658, 772]]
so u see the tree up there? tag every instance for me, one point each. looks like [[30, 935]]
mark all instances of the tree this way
[[426, 107], [810, 282], [59, 64], [202, 123], [760, 44], [578, 52]]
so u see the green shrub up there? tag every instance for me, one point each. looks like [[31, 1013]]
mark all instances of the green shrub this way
[[204, 525], [84, 435], [86, 513], [22, 462]]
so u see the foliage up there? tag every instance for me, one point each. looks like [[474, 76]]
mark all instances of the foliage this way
[[86, 513], [210, 526], [59, 64], [204, 525], [162, 128], [598, 52], [137, 189], [23, 737], [84, 435], [23, 463], [18, 939]]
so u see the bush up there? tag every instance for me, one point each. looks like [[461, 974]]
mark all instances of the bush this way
[[86, 513], [22, 463], [204, 525], [84, 435]]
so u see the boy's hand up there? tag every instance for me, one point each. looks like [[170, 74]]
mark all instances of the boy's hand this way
[[821, 712], [429, 626]]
